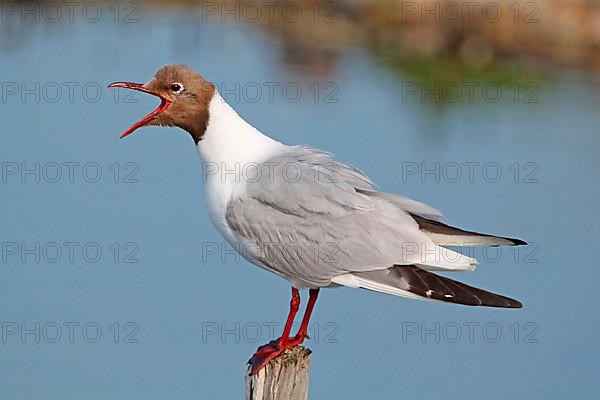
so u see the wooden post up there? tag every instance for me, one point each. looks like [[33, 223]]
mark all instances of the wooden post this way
[[284, 378]]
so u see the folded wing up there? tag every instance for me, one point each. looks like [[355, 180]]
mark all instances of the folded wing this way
[[414, 282], [313, 219]]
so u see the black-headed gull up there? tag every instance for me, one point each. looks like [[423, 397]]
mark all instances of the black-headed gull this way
[[315, 221]]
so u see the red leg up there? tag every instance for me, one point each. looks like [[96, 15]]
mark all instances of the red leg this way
[[302, 332], [275, 348], [294, 305]]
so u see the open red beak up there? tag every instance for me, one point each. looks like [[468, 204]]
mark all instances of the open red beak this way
[[164, 104]]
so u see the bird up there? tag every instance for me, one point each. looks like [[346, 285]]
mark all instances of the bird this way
[[309, 218]]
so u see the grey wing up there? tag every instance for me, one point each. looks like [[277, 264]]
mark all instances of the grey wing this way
[[313, 218]]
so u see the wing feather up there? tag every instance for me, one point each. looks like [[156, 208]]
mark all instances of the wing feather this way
[[318, 218], [412, 281]]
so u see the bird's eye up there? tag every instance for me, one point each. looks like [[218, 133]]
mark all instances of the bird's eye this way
[[177, 87]]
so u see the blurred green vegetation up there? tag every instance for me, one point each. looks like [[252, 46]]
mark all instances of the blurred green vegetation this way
[[442, 72]]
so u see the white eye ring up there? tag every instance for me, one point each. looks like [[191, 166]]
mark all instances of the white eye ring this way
[[177, 87]]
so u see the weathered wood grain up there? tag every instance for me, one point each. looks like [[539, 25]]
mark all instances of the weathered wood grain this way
[[284, 378]]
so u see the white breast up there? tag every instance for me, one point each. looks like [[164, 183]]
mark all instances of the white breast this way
[[228, 146]]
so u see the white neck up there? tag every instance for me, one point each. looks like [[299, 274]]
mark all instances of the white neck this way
[[229, 140]]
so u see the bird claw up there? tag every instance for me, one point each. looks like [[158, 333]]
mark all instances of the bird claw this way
[[265, 353]]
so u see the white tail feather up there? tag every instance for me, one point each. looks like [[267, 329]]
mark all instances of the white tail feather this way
[[443, 259]]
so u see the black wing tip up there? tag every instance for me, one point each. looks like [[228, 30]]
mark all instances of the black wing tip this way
[[518, 304], [485, 299], [506, 303], [518, 242], [433, 226], [437, 287]]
